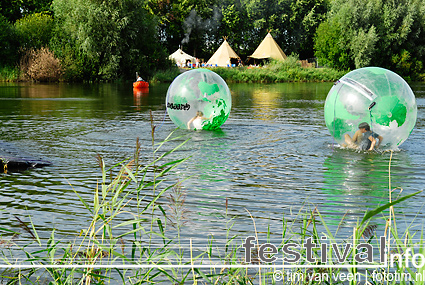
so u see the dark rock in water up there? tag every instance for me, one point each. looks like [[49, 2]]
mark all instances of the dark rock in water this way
[[12, 158]]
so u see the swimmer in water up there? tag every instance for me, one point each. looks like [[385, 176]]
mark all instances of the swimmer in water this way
[[197, 121]]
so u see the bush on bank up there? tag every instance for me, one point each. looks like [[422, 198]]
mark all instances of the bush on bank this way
[[275, 71], [40, 65]]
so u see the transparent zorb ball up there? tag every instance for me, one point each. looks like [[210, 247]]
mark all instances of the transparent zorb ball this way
[[376, 96], [198, 99]]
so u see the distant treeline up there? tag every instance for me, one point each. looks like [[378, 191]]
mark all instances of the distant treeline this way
[[112, 39]]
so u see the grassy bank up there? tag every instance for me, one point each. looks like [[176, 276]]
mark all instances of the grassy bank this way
[[133, 236], [289, 70], [9, 74], [167, 75], [275, 71]]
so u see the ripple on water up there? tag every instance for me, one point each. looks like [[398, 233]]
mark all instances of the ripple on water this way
[[271, 158]]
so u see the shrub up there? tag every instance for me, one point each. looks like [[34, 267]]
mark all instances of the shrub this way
[[9, 73], [167, 75], [106, 39], [291, 62], [34, 30], [40, 65]]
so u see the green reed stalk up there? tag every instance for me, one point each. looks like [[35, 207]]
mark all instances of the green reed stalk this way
[[99, 243], [125, 222]]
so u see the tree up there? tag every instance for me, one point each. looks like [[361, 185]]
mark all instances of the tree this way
[[305, 17], [363, 46], [359, 33], [293, 22], [237, 27], [331, 48], [170, 14], [103, 40], [16, 9], [34, 30], [266, 15], [8, 44], [191, 23]]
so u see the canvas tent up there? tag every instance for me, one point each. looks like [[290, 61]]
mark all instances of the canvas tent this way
[[180, 56], [223, 55], [269, 49]]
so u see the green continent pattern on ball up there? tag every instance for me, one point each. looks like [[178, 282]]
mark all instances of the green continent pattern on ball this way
[[218, 120], [376, 96], [208, 89], [390, 108]]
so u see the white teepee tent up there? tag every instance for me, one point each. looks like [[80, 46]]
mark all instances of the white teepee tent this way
[[269, 49], [180, 56], [223, 55]]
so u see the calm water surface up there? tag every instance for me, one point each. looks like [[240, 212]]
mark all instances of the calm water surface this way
[[273, 157]]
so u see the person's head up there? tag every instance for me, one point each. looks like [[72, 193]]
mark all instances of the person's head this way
[[199, 114], [364, 127]]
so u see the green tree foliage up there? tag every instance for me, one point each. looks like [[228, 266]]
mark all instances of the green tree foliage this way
[[201, 25], [267, 15], [191, 23], [104, 40], [34, 30], [10, 9], [236, 27], [16, 9], [199, 31], [8, 43], [170, 16], [305, 17], [293, 22], [363, 46], [331, 48], [359, 33], [110, 39]]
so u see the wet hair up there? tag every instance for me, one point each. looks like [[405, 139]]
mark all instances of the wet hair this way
[[365, 126]]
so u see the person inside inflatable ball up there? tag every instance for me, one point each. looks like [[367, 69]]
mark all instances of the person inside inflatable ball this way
[[363, 139]]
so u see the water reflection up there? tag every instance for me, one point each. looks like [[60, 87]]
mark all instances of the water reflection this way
[[351, 173], [140, 96], [265, 104], [352, 178]]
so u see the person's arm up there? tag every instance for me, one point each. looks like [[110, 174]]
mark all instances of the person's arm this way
[[373, 143], [205, 119], [190, 122], [380, 138]]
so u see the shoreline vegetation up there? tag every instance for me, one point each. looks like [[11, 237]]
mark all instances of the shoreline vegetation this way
[[108, 41], [274, 71], [133, 236]]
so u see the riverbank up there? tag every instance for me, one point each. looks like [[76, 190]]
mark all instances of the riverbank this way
[[289, 70], [276, 75], [275, 72]]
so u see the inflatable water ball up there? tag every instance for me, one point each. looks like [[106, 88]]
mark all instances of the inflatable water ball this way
[[198, 99], [376, 96]]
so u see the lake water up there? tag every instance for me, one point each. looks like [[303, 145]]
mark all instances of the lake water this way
[[273, 157]]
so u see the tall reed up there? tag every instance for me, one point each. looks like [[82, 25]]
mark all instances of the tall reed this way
[[129, 237]]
